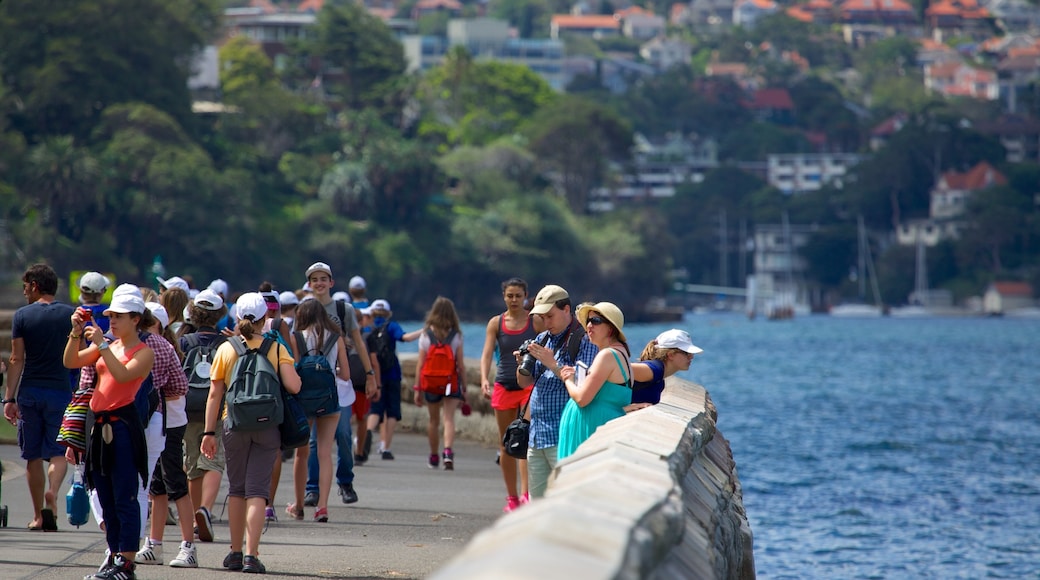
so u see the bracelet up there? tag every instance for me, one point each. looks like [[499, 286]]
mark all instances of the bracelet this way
[[210, 433], [102, 346], [370, 372], [6, 401], [74, 335]]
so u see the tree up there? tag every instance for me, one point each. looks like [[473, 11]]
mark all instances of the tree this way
[[997, 217], [574, 139], [530, 17]]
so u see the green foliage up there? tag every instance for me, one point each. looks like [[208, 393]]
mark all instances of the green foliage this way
[[530, 17]]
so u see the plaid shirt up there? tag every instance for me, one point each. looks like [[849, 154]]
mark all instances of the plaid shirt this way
[[167, 375], [550, 394]]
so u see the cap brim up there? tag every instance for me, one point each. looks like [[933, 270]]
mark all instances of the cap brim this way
[[541, 308], [692, 349]]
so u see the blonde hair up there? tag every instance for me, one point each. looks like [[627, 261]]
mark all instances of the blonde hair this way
[[653, 352], [246, 327]]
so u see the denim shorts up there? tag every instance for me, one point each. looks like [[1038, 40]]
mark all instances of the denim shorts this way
[[41, 413]]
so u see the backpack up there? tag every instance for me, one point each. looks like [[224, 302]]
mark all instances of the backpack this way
[[197, 360], [439, 369], [254, 395], [383, 345], [318, 393], [147, 399]]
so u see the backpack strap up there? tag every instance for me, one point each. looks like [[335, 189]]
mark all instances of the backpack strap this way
[[330, 345], [265, 346], [301, 343], [574, 342], [341, 310], [239, 346], [431, 336]]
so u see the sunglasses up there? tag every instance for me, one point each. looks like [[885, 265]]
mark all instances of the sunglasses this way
[[597, 320]]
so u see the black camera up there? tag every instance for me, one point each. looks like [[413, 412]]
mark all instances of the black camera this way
[[528, 361]]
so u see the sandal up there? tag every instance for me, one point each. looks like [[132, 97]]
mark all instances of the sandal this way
[[321, 515], [50, 524], [294, 512]]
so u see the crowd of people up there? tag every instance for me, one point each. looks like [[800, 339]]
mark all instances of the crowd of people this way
[[164, 377]]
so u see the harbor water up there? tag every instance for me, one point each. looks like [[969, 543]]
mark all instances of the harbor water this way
[[876, 448]]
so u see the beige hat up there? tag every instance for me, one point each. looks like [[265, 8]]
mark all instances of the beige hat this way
[[547, 298], [609, 311]]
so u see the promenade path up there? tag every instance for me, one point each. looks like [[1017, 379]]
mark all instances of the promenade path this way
[[409, 521]]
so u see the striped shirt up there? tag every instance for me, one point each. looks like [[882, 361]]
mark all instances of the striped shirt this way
[[550, 394]]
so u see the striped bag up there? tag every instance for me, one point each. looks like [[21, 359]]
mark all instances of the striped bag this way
[[73, 431]]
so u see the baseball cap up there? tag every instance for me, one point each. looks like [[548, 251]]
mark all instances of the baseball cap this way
[[174, 282], [159, 312], [288, 298], [380, 305], [271, 298], [219, 286], [124, 289], [679, 339], [93, 283], [125, 303], [341, 295], [209, 300], [357, 282], [251, 306], [547, 298], [318, 267]]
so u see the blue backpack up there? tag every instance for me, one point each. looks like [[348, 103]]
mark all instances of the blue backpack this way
[[318, 393], [148, 399]]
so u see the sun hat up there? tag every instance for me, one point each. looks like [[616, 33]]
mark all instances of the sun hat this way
[[318, 267], [208, 300], [219, 286], [356, 283], [159, 312], [288, 298], [679, 339], [609, 311], [380, 305], [547, 298], [125, 289], [341, 295], [251, 306], [125, 303], [93, 283], [174, 282]]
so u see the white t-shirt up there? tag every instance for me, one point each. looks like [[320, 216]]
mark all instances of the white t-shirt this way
[[176, 416]]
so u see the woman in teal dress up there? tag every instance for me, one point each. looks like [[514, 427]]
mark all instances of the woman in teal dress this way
[[603, 393]]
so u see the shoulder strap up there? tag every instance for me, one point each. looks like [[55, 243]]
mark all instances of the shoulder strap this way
[[341, 310], [451, 335], [301, 343], [574, 342], [265, 346], [431, 336], [617, 359], [239, 346], [191, 340], [330, 344]]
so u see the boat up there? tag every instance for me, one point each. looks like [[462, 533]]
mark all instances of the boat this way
[[865, 270], [925, 302]]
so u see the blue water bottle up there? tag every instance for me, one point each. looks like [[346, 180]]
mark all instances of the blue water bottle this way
[[77, 504]]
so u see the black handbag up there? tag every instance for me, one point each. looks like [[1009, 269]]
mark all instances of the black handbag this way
[[295, 430], [516, 436]]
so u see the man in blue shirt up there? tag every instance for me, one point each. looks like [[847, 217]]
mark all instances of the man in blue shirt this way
[[39, 388], [553, 306]]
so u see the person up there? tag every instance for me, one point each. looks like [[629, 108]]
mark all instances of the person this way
[[672, 351], [385, 409], [357, 288], [39, 389], [288, 302], [204, 473], [442, 325], [169, 482], [116, 452], [603, 393], [250, 454], [314, 329], [565, 343], [225, 324], [175, 300], [505, 333], [92, 286]]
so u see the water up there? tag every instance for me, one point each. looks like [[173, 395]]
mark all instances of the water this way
[[887, 448]]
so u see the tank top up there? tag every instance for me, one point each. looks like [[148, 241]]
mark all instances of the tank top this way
[[109, 394], [509, 341]]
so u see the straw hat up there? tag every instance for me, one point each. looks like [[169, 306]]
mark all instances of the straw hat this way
[[609, 311]]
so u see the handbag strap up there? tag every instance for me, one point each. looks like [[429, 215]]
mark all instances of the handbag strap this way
[[520, 412]]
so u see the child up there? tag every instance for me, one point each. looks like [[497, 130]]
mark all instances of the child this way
[[382, 349]]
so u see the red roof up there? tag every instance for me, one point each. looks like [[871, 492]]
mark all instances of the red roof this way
[[878, 5], [772, 99], [434, 4], [981, 176], [584, 21], [1014, 288], [799, 13], [310, 6]]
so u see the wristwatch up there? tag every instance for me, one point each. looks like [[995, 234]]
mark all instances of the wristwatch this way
[[370, 372], [6, 401], [102, 346]]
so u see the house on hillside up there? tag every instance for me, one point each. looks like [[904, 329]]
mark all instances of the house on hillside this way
[[639, 23], [958, 79], [772, 104], [747, 12], [1018, 133], [953, 18], [949, 198], [1003, 297], [594, 25], [453, 8], [802, 172], [883, 131], [1015, 15], [822, 12], [711, 13], [865, 21], [663, 53]]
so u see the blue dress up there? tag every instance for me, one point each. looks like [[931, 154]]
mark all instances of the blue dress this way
[[579, 423]]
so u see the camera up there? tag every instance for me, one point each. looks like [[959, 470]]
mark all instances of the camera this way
[[528, 361], [86, 314]]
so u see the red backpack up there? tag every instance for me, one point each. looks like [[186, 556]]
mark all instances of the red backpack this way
[[438, 371]]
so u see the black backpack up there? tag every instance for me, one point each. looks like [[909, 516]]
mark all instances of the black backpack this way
[[383, 345], [198, 356]]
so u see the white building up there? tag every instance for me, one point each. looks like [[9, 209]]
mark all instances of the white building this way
[[664, 53], [800, 172]]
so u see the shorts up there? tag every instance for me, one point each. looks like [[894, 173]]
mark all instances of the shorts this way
[[360, 406], [389, 403], [434, 399], [169, 478], [195, 463], [503, 399], [41, 413], [252, 456]]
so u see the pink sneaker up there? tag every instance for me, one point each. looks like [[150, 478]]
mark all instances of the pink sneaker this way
[[526, 498], [512, 502]]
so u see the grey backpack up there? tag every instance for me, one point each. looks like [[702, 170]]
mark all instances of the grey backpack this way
[[254, 397]]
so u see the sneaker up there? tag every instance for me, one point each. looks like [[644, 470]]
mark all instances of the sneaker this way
[[359, 459], [310, 499], [526, 498], [104, 564], [269, 515], [321, 515], [295, 512], [151, 553], [204, 523], [388, 456], [449, 459], [347, 493], [512, 502], [186, 557], [253, 565], [119, 569], [233, 561], [433, 461]]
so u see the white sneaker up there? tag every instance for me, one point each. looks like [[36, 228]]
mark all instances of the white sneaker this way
[[186, 558], [151, 553]]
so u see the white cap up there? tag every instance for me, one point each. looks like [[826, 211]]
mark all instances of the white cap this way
[[174, 282], [341, 295], [357, 282], [130, 289], [251, 306], [380, 305], [159, 312], [209, 300], [679, 339], [288, 298], [318, 267], [93, 283], [125, 303], [219, 286]]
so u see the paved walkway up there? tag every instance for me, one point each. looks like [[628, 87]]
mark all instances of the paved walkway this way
[[408, 522]]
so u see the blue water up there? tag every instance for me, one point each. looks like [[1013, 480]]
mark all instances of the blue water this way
[[886, 448]]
